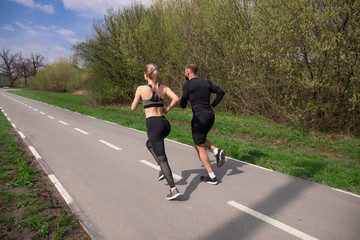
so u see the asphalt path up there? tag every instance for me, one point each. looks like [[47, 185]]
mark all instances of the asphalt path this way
[[105, 171]]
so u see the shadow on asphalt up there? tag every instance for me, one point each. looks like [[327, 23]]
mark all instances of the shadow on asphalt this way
[[227, 170]]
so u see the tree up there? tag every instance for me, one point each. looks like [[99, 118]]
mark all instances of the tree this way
[[7, 66], [23, 68], [37, 62]]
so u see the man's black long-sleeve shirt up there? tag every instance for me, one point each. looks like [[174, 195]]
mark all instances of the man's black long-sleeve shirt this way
[[198, 90]]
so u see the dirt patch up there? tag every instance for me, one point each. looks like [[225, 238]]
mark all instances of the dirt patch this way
[[79, 92], [37, 211]]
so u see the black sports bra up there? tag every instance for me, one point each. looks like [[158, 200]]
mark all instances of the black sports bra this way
[[154, 101]]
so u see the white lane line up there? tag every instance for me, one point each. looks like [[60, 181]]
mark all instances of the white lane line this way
[[272, 221], [177, 177], [42, 113], [21, 135], [110, 145], [34, 152], [61, 189], [51, 117], [64, 123], [342, 191], [82, 131], [30, 107], [35, 110]]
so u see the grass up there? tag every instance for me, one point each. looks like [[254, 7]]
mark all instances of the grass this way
[[28, 207], [327, 158]]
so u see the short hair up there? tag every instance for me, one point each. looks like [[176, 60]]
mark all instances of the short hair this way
[[193, 68]]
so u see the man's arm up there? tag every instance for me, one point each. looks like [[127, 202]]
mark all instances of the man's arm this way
[[219, 94], [185, 96]]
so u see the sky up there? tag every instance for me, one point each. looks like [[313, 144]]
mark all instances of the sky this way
[[51, 27]]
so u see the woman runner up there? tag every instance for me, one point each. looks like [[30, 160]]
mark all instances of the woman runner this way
[[157, 126]]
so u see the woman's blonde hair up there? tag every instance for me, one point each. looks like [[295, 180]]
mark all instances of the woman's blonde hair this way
[[152, 72]]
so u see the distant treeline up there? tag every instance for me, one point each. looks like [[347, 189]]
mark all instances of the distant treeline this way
[[287, 60]]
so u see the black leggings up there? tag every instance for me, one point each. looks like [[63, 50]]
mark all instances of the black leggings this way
[[158, 128]]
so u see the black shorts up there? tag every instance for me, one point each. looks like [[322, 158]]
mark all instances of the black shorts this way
[[201, 124]]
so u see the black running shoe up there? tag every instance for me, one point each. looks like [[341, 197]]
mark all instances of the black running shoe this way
[[161, 176], [220, 158], [208, 179], [173, 194]]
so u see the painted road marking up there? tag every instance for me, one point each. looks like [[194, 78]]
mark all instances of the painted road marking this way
[[272, 221], [82, 131], [110, 145], [34, 152], [177, 177], [42, 113], [61, 189], [51, 117], [64, 123], [35, 110], [21, 135]]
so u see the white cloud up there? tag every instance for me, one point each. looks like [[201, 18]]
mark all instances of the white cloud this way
[[41, 28], [31, 32], [8, 27], [69, 35], [65, 32], [98, 6], [46, 8], [23, 26], [74, 40]]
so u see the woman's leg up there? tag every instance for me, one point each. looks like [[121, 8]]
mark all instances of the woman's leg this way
[[159, 150], [151, 150]]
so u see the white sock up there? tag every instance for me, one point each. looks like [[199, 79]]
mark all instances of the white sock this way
[[216, 150], [212, 175]]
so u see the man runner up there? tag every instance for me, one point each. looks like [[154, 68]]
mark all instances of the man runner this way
[[197, 91]]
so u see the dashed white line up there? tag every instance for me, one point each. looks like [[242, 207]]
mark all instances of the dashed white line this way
[[30, 107], [35, 110], [42, 113], [64, 123], [82, 131], [177, 177], [51, 117], [110, 145], [272, 221]]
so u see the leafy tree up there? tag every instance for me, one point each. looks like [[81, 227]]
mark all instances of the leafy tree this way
[[289, 61]]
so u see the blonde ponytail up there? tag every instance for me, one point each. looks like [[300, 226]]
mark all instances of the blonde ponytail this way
[[152, 72]]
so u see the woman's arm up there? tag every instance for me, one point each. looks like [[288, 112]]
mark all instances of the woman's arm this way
[[174, 99], [135, 102]]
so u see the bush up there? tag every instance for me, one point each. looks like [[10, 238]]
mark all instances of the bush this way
[[60, 76], [289, 61]]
